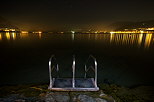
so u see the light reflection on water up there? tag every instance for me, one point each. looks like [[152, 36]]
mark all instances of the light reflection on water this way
[[139, 40], [0, 36], [23, 35], [148, 40], [114, 39], [15, 36]]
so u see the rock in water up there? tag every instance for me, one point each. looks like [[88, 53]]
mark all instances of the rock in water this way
[[100, 100], [20, 100], [85, 98], [61, 97], [49, 98], [57, 97]]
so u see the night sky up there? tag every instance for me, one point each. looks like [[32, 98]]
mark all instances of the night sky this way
[[74, 14]]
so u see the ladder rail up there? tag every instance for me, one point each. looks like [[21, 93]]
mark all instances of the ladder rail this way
[[94, 68], [51, 67], [73, 68]]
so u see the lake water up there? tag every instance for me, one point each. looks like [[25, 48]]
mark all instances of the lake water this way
[[124, 59]]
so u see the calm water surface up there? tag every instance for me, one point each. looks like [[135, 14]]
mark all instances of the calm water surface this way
[[124, 59]]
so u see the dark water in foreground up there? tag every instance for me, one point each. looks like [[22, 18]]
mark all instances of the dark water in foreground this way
[[124, 59]]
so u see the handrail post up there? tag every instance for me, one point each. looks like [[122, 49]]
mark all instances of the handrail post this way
[[50, 86], [73, 67], [50, 70], [95, 72], [95, 64]]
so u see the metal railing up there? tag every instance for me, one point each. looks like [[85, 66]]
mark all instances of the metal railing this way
[[73, 68], [52, 66], [55, 66], [94, 68]]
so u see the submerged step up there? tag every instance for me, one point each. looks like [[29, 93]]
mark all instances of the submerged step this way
[[79, 83]]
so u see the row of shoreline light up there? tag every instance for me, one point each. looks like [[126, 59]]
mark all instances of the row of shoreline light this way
[[131, 32]]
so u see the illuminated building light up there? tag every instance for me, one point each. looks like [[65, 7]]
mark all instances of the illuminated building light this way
[[150, 29], [24, 31], [112, 32], [37, 32], [12, 30], [72, 32], [132, 31], [6, 30], [142, 31]]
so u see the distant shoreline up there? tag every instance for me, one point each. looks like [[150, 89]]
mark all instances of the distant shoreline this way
[[79, 32]]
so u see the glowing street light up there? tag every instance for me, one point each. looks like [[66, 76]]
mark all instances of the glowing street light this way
[[72, 32], [112, 32], [142, 31]]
